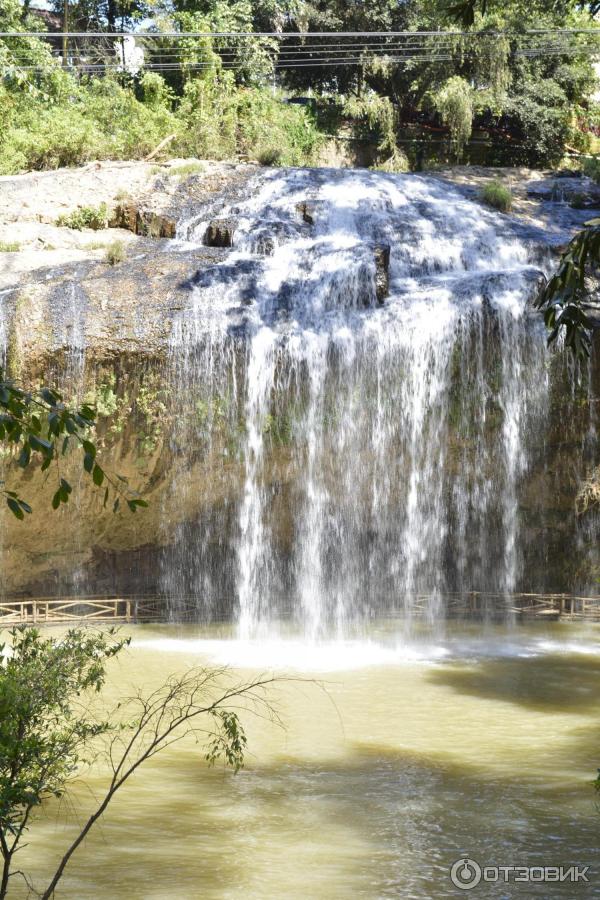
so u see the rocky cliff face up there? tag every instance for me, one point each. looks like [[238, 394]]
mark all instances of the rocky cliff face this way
[[102, 329]]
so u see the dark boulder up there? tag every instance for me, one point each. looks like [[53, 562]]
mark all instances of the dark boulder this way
[[220, 233], [145, 222], [381, 254]]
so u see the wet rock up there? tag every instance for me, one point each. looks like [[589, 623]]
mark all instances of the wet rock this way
[[581, 193], [116, 310], [145, 222], [265, 240], [264, 245], [220, 233], [381, 254], [308, 211]]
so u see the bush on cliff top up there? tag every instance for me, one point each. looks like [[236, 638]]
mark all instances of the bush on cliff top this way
[[60, 121]]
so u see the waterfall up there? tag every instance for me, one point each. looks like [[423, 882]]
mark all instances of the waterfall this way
[[360, 454]]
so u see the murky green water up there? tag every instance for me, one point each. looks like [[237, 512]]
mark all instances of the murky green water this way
[[400, 761]]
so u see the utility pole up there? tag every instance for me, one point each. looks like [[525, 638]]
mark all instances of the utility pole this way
[[65, 40]]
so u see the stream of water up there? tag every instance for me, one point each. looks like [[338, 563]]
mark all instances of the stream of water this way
[[379, 441]]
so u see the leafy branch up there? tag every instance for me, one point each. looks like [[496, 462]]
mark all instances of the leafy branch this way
[[48, 732], [565, 297], [464, 12], [42, 428]]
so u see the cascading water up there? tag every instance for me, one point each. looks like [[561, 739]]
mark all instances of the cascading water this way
[[374, 446]]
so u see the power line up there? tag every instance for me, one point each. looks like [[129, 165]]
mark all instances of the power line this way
[[290, 64], [295, 35], [391, 47]]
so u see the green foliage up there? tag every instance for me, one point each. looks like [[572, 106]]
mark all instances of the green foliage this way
[[229, 742], [376, 116], [9, 247], [270, 157], [491, 66], [94, 217], [279, 429], [397, 162], [492, 73], [115, 253], [531, 107], [45, 733], [497, 195], [60, 121], [39, 429], [591, 168], [454, 103], [48, 731], [578, 200], [222, 122], [563, 298], [539, 116], [151, 406]]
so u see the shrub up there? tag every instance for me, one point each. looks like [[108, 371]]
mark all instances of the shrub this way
[[591, 168], [454, 103], [270, 157], [497, 195], [578, 200], [9, 247], [221, 121], [94, 217], [115, 253], [397, 162], [70, 122], [539, 119]]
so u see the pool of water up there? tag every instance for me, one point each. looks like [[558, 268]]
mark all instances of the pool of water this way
[[395, 759]]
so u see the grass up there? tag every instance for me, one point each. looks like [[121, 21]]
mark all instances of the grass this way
[[9, 247], [94, 217], [497, 195], [186, 170], [115, 253]]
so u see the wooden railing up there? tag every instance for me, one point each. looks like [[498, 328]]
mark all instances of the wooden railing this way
[[521, 605], [55, 610]]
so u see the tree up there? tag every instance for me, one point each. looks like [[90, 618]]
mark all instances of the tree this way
[[529, 105], [42, 429], [454, 103], [465, 12], [43, 738], [48, 731]]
